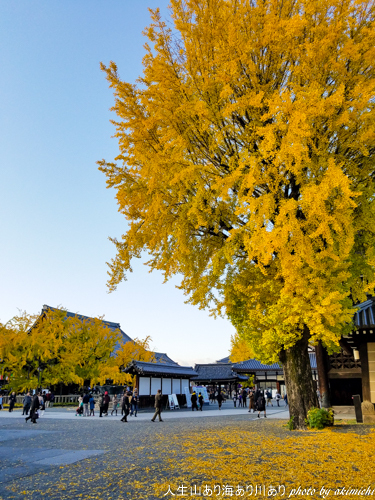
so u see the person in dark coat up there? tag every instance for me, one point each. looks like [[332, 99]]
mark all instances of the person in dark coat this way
[[125, 406], [26, 404], [157, 406], [244, 397], [34, 408], [261, 404], [104, 405], [256, 396], [12, 401], [86, 401], [134, 403], [220, 400], [201, 399], [194, 401]]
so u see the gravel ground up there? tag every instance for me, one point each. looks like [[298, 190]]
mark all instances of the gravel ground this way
[[66, 459]]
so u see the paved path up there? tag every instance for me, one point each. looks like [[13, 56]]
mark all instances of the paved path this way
[[281, 412]]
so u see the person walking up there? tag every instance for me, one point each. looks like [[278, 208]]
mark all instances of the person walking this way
[[92, 405], [201, 400], [269, 397], [44, 396], [278, 397], [244, 398], [251, 402], [261, 405], [134, 403], [42, 405], [12, 401], [86, 401], [157, 405], [115, 404], [286, 399], [220, 399], [26, 404], [256, 396], [33, 409], [104, 405], [125, 406], [234, 397], [212, 397], [1, 401], [48, 399], [194, 401], [51, 399]]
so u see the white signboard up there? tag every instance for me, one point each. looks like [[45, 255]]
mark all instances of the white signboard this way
[[203, 391], [173, 402], [188, 396]]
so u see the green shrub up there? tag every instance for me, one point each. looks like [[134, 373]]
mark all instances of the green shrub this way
[[66, 404], [318, 418], [290, 423]]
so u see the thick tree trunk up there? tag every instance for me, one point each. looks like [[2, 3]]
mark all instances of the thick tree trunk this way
[[298, 380], [322, 375]]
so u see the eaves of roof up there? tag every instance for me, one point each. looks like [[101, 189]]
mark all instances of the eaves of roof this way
[[146, 368], [253, 365]]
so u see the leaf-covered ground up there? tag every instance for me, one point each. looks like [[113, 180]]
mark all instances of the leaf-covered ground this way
[[206, 458]]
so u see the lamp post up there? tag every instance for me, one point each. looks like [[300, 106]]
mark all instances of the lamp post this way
[[39, 377]]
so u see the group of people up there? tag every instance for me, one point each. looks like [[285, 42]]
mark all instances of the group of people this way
[[45, 399], [128, 402], [240, 397], [33, 404], [195, 400], [258, 400]]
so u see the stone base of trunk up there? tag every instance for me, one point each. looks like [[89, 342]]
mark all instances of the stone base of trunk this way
[[368, 419]]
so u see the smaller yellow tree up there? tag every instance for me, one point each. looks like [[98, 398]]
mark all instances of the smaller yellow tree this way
[[24, 355], [39, 351], [86, 351]]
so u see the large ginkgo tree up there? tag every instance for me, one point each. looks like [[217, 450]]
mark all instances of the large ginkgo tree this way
[[247, 167]]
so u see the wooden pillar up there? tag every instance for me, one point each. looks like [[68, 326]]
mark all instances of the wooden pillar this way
[[322, 375], [363, 357]]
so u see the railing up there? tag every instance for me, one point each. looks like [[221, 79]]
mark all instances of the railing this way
[[68, 398]]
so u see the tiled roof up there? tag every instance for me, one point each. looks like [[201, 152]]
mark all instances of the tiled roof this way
[[109, 324], [225, 360], [255, 365], [216, 372], [161, 357], [146, 368], [365, 315]]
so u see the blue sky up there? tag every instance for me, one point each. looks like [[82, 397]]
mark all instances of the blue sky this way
[[56, 213]]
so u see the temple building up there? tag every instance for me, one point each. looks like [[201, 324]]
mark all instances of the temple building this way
[[352, 371]]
